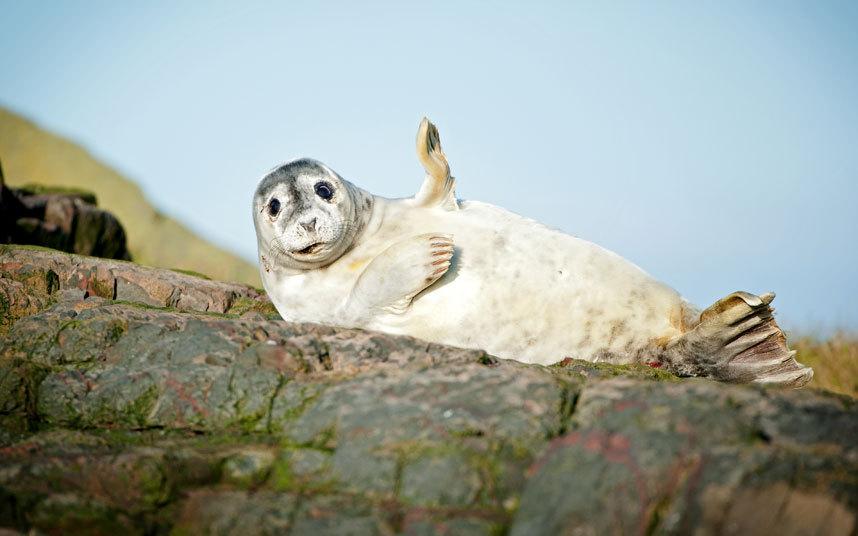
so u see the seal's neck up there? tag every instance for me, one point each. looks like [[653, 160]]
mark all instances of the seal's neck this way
[[363, 204], [367, 214]]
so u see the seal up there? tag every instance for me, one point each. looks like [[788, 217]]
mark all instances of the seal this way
[[474, 275]]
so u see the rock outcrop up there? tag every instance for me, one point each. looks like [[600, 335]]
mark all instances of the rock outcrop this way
[[60, 219], [145, 401]]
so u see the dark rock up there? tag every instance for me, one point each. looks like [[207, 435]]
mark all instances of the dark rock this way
[[142, 418], [690, 456], [59, 219]]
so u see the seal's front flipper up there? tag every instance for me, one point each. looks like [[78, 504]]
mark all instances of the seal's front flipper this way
[[398, 274], [738, 341], [438, 189]]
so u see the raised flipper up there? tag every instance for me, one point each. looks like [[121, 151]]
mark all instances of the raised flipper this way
[[398, 274], [737, 341], [438, 189]]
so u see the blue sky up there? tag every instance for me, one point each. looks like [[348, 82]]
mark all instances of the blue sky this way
[[713, 144]]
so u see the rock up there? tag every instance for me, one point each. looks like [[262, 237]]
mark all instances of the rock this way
[[18, 301], [696, 456], [192, 409], [50, 276], [60, 219]]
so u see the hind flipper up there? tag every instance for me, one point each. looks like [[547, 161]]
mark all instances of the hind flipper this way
[[737, 341], [438, 189]]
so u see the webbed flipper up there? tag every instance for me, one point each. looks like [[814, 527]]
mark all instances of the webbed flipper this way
[[738, 341], [438, 189]]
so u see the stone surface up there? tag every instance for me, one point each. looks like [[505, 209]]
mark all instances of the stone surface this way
[[49, 276], [211, 416]]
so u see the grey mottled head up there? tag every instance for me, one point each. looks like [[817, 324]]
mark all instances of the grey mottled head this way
[[306, 215]]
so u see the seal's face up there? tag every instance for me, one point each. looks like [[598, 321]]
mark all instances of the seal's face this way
[[306, 216]]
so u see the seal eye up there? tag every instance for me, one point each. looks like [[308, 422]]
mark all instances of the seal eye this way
[[273, 207], [324, 190]]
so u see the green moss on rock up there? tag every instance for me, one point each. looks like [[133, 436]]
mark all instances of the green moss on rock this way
[[19, 383], [245, 304], [44, 189], [587, 369]]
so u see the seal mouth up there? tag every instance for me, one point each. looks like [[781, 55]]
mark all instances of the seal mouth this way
[[312, 248]]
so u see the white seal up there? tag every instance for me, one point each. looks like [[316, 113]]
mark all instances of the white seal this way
[[474, 275]]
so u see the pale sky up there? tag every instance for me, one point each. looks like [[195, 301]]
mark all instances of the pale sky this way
[[713, 144]]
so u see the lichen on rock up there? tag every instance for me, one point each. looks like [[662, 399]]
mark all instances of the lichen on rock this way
[[187, 407]]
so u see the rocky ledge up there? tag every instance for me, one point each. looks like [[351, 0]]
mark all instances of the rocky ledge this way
[[151, 402]]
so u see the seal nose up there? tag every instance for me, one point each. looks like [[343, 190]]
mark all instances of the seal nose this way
[[309, 226]]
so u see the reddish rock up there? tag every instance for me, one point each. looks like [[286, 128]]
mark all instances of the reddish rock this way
[[189, 408]]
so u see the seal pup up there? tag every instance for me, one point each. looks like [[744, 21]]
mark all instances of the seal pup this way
[[474, 275]]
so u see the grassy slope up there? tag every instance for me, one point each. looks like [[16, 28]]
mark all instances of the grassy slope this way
[[30, 155], [834, 362]]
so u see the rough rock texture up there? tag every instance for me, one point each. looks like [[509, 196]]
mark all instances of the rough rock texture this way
[[128, 417], [32, 277], [64, 220]]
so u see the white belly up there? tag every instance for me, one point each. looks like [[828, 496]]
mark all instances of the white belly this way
[[516, 289]]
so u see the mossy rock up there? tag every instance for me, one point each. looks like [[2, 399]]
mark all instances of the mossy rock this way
[[45, 189]]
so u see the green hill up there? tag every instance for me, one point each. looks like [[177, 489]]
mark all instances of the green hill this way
[[30, 155]]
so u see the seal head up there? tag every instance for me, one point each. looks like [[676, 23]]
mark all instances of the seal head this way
[[307, 216]]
